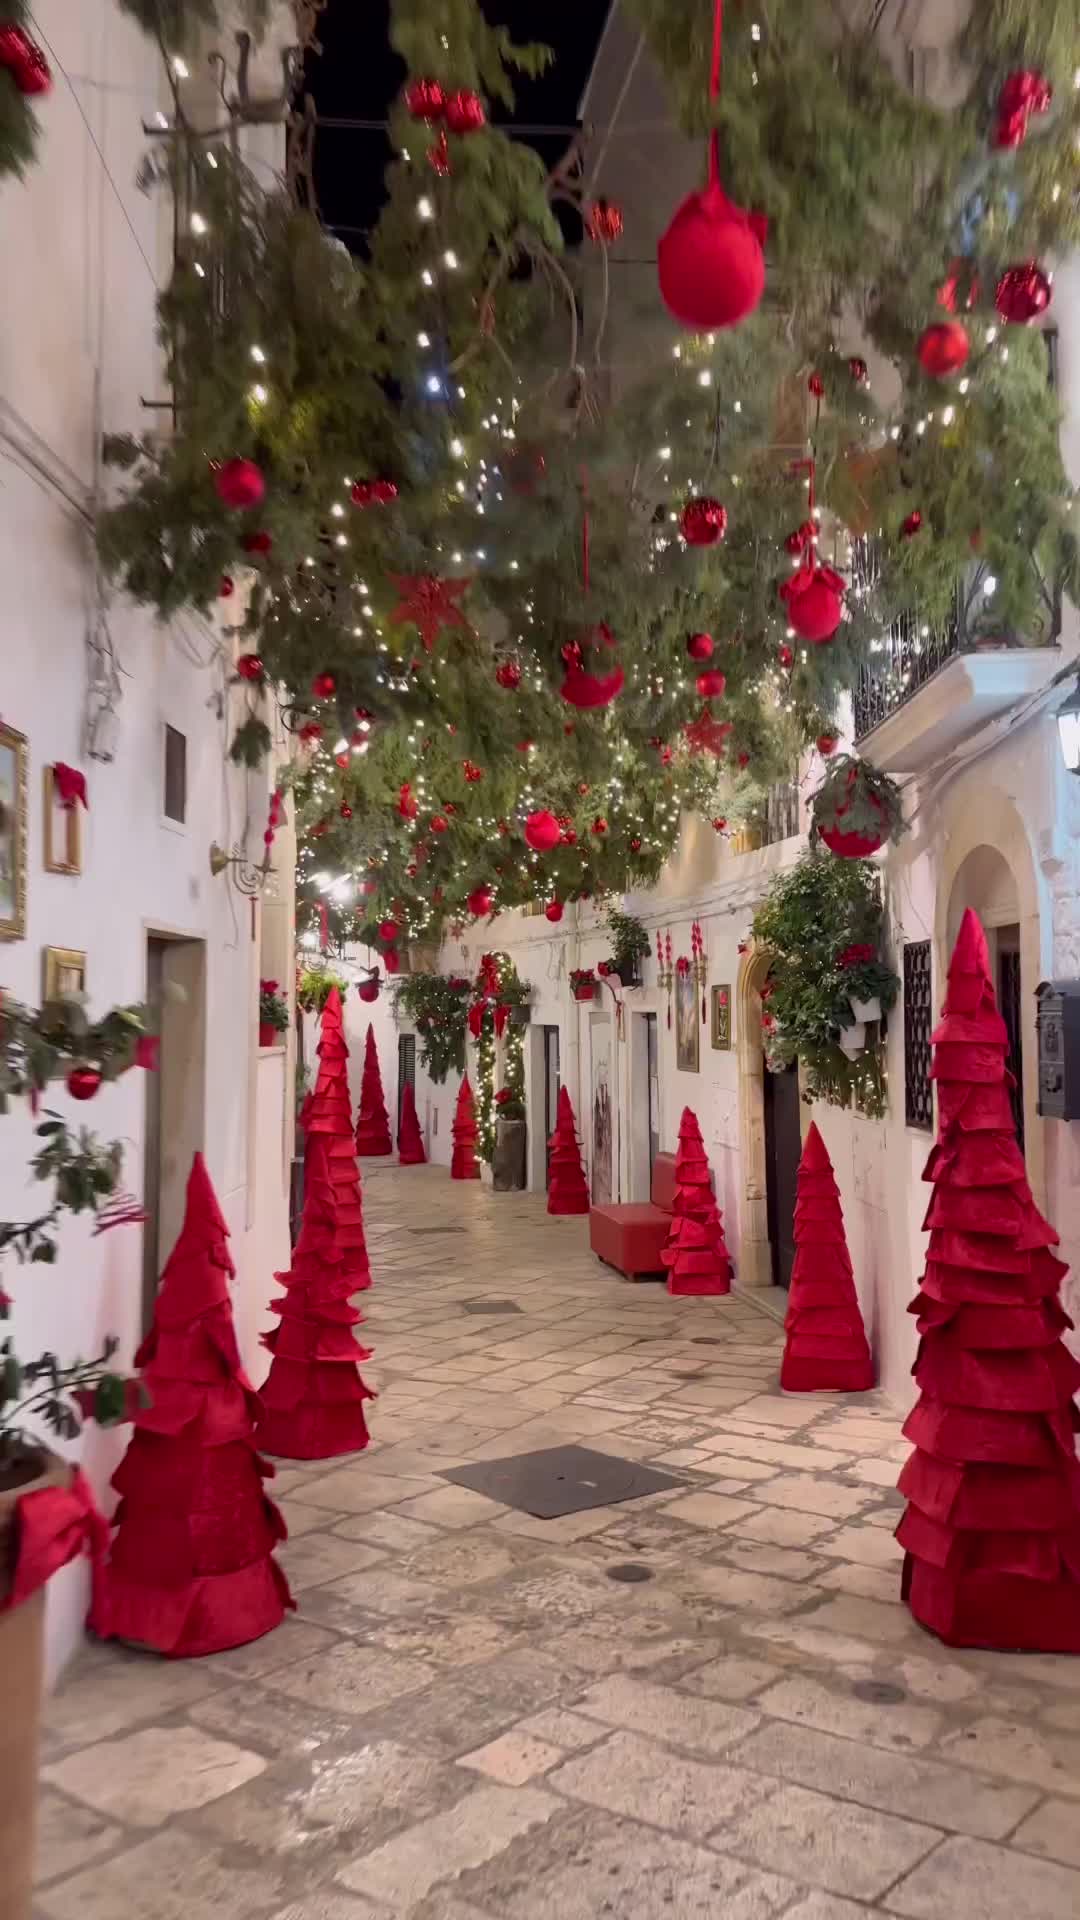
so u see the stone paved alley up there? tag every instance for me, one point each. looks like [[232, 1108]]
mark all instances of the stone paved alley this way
[[468, 1717]]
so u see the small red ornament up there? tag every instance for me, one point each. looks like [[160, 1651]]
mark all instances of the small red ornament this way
[[568, 837], [508, 675], [425, 100], [472, 772], [703, 522], [249, 666], [720, 825], [480, 902], [259, 542], [910, 526], [554, 911], [323, 686], [83, 1082], [525, 746], [826, 744], [310, 733], [635, 845], [24, 60], [389, 931], [439, 823], [604, 222], [943, 348], [341, 760], [464, 112], [711, 684], [226, 587], [599, 828], [858, 369], [785, 656], [744, 759], [816, 386], [542, 831], [813, 597], [239, 484], [583, 787], [700, 646], [1022, 294], [345, 810], [407, 804], [603, 968], [711, 262]]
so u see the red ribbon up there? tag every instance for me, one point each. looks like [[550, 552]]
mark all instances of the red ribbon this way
[[70, 786], [476, 1019], [502, 1015], [54, 1525]]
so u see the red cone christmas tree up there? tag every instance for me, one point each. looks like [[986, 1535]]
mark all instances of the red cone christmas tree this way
[[373, 1121], [313, 1397], [464, 1164], [992, 1529], [695, 1256], [826, 1341], [567, 1192], [191, 1569], [410, 1141]]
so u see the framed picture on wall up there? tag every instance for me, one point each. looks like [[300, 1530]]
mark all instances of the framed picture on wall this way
[[687, 1024], [13, 810], [721, 1019], [63, 973], [63, 831]]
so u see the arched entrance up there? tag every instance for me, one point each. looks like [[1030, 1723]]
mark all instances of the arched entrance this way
[[769, 1135]]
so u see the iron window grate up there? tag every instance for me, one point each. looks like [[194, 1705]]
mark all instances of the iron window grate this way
[[918, 1023]]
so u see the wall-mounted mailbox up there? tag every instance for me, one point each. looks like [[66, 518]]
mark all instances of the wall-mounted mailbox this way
[[1058, 1023]]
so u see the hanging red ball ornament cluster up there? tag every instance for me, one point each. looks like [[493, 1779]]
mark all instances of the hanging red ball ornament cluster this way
[[23, 59], [604, 222], [1022, 293], [943, 349], [599, 828], [508, 675], [1025, 92], [239, 484], [542, 831], [703, 522], [701, 646], [472, 772]]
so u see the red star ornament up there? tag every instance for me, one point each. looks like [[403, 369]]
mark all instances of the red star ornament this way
[[706, 735], [429, 604]]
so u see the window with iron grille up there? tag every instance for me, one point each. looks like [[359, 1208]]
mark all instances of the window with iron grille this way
[[174, 799], [918, 1022]]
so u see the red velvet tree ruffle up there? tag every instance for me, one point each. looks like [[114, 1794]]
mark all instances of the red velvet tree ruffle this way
[[464, 1164], [567, 1191], [991, 1533], [373, 1121], [191, 1568], [826, 1348], [410, 1140], [695, 1255], [313, 1397]]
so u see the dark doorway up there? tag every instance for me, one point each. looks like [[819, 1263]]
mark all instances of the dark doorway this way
[[406, 1069], [1010, 999], [174, 1097], [551, 1083], [783, 1150], [653, 1054]]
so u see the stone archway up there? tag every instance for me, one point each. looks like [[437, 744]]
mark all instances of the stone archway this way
[[755, 1254]]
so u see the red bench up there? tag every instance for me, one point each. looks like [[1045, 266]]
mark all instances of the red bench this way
[[632, 1238]]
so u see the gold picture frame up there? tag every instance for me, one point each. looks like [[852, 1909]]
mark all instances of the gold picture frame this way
[[63, 973], [13, 814], [63, 831], [721, 1019]]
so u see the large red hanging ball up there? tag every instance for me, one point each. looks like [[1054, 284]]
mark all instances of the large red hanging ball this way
[[464, 112], [711, 685], [703, 522], [389, 931], [239, 484], [710, 262], [943, 348], [369, 990], [249, 666], [581, 689], [553, 911], [425, 100], [1022, 294], [814, 601], [542, 831], [700, 646], [480, 902], [83, 1082]]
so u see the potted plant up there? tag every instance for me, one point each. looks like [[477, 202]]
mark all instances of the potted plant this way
[[870, 982], [273, 1013], [583, 983], [630, 945], [508, 1159], [314, 987], [856, 809]]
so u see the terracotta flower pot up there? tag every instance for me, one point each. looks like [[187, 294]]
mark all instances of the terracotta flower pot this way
[[22, 1681]]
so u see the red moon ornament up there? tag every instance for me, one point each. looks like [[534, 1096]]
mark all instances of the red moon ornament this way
[[703, 522]]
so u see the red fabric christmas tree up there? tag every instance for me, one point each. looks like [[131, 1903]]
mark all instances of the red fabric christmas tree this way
[[695, 1255], [992, 1530], [567, 1192], [826, 1341], [410, 1141], [313, 1396], [191, 1569], [373, 1121], [464, 1164]]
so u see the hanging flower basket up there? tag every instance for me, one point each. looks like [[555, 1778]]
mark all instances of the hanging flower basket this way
[[583, 983], [856, 809]]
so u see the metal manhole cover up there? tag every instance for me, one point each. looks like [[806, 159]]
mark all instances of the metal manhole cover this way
[[490, 1306], [558, 1480], [879, 1693], [629, 1572]]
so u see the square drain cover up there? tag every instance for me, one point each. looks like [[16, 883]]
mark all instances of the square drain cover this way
[[561, 1480], [490, 1306]]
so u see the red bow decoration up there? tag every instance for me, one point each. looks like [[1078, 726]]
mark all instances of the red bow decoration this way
[[70, 786], [476, 1019], [488, 982], [502, 1015], [53, 1526]]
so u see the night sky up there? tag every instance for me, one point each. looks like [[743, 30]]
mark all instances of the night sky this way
[[358, 76]]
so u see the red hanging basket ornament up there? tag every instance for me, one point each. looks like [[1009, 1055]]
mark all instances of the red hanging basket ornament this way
[[813, 595], [943, 349], [711, 261], [856, 809], [1022, 294], [604, 223], [703, 523]]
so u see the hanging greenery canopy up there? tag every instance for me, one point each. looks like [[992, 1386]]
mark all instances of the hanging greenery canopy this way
[[483, 576]]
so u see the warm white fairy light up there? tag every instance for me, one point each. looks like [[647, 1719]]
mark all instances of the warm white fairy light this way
[[258, 356], [427, 278], [180, 67], [424, 208], [259, 394], [450, 260], [199, 225]]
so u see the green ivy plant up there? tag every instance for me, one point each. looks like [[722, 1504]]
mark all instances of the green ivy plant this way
[[314, 987], [630, 943], [436, 1005]]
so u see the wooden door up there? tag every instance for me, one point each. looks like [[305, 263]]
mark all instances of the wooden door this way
[[783, 1151]]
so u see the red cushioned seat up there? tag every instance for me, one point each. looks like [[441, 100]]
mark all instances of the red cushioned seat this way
[[632, 1238]]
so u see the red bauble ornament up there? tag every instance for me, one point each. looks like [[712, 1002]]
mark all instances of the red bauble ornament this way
[[407, 804], [700, 646], [249, 666], [439, 823], [744, 759], [239, 484], [599, 827], [816, 386], [1022, 294], [858, 369], [554, 911], [583, 787], [464, 112], [373, 493], [943, 349], [635, 845], [720, 825], [910, 526], [389, 931], [226, 587], [345, 810], [814, 599], [1025, 92], [604, 222], [826, 744], [542, 831], [323, 686], [341, 760], [83, 1082], [425, 100], [568, 837], [472, 772], [508, 675], [259, 542], [785, 656], [710, 261], [581, 689], [711, 685], [703, 523], [24, 60], [480, 902], [310, 733]]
